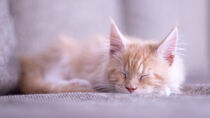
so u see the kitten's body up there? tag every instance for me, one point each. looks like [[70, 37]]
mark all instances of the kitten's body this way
[[102, 64], [63, 61]]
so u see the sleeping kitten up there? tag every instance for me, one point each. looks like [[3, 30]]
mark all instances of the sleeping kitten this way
[[114, 64]]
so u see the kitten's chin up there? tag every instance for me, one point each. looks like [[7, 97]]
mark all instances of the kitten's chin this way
[[164, 92], [158, 93]]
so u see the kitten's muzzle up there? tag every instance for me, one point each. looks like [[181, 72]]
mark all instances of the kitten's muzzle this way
[[131, 90]]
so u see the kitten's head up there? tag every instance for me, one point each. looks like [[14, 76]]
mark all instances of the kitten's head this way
[[137, 66]]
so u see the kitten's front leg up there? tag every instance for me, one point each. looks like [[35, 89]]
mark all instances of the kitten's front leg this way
[[78, 85]]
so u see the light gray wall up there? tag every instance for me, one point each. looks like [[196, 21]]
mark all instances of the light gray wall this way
[[39, 21]]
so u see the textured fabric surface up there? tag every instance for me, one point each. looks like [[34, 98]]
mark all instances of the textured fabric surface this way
[[40, 21], [192, 103], [8, 61]]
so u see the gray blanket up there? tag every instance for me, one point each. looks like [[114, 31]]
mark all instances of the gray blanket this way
[[193, 102]]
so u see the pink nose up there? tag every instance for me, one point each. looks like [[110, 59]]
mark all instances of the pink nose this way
[[131, 90]]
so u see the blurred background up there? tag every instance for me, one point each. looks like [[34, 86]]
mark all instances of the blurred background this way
[[39, 21]]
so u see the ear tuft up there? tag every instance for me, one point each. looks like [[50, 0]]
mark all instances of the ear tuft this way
[[167, 47], [117, 41]]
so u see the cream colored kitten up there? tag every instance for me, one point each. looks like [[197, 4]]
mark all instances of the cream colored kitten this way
[[118, 64]]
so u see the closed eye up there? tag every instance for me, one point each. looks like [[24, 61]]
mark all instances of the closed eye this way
[[124, 75], [143, 76]]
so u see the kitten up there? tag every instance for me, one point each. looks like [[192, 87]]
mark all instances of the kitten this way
[[115, 64]]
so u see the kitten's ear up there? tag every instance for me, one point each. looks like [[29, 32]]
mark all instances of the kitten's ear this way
[[117, 40], [167, 47]]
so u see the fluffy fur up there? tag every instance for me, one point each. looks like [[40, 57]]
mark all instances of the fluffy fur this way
[[114, 64]]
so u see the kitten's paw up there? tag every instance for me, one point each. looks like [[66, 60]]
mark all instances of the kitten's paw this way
[[80, 85], [80, 82], [165, 92]]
